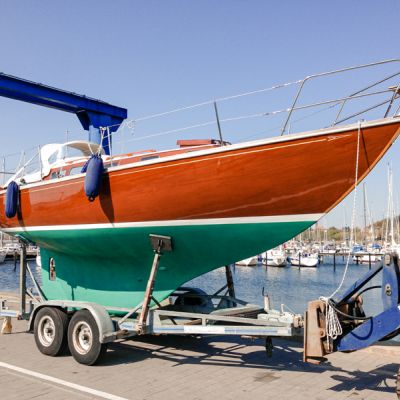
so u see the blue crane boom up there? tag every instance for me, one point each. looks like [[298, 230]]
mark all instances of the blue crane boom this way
[[92, 113]]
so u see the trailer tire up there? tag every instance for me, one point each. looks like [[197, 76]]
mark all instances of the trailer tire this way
[[84, 339], [50, 331]]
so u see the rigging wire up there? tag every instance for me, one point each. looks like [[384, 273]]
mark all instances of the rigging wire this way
[[333, 326], [208, 102]]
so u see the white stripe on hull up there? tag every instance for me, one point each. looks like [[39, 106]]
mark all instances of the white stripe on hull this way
[[182, 222]]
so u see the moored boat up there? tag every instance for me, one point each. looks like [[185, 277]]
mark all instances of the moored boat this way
[[304, 259], [275, 258]]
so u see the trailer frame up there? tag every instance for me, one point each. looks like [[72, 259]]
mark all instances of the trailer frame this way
[[194, 312]]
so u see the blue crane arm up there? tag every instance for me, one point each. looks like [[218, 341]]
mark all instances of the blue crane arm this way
[[92, 113]]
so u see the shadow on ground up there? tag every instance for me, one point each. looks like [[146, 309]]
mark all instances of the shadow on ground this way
[[236, 352]]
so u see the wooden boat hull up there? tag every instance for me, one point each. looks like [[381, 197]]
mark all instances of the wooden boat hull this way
[[102, 251]]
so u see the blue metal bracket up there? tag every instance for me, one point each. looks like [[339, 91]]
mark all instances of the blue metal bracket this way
[[92, 113], [384, 324], [371, 331], [359, 284]]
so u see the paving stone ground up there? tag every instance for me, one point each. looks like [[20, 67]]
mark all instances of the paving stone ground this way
[[199, 368]]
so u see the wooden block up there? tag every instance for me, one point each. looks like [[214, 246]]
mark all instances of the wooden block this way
[[7, 326], [314, 332]]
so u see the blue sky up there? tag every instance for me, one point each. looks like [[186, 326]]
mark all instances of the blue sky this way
[[152, 56]]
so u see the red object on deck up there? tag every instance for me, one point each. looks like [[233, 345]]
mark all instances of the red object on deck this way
[[197, 142]]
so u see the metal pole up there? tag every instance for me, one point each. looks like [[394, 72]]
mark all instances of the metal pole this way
[[4, 171], [110, 145], [15, 259], [40, 163], [22, 278], [229, 281], [396, 92], [218, 124], [293, 105], [365, 212], [149, 290]]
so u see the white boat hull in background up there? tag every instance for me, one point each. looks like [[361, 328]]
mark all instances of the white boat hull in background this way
[[274, 258], [248, 262], [304, 261]]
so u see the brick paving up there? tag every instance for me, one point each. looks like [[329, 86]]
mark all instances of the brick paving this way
[[192, 368]]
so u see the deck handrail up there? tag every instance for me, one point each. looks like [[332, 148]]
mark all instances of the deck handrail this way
[[309, 77]]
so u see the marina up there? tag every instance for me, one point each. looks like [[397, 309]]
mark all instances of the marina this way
[[199, 201]]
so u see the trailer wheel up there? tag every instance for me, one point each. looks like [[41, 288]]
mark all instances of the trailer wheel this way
[[50, 331], [83, 338]]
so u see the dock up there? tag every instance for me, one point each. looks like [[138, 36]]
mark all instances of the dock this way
[[172, 367]]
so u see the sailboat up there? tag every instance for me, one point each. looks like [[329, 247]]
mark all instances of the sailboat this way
[[275, 257], [390, 233], [97, 249]]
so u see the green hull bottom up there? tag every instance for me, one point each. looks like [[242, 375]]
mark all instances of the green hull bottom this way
[[111, 266]]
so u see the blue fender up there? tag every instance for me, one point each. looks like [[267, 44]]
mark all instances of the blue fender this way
[[12, 199], [94, 169]]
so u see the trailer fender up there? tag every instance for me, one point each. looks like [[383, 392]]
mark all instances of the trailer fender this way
[[101, 316]]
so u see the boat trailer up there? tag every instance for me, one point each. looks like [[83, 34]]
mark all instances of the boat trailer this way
[[86, 327]]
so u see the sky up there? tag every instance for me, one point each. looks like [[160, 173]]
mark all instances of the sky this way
[[154, 56]]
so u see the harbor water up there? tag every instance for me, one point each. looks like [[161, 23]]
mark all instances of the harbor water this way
[[292, 286]]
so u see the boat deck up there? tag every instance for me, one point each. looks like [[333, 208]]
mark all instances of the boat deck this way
[[171, 367]]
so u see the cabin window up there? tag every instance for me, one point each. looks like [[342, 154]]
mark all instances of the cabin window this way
[[58, 174], [53, 158], [75, 170]]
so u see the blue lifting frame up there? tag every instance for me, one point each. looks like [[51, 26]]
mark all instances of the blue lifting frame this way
[[92, 113], [358, 330], [382, 325]]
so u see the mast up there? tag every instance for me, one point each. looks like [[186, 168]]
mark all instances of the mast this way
[[390, 210], [365, 213]]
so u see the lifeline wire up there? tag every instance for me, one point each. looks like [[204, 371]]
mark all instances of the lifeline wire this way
[[333, 326], [279, 86]]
